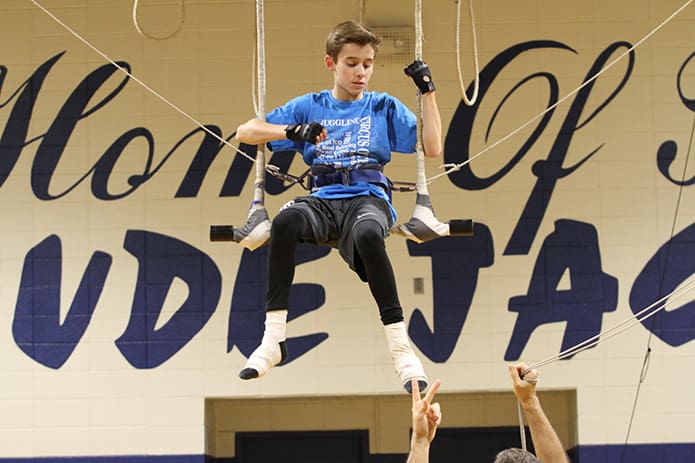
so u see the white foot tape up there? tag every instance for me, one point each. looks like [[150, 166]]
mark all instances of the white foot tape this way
[[265, 357], [406, 363]]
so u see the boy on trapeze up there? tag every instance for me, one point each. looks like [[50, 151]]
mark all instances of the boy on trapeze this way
[[346, 135]]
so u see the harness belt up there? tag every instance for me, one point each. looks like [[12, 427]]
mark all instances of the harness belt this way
[[323, 175]]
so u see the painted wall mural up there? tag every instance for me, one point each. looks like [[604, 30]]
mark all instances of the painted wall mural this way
[[120, 317], [573, 245]]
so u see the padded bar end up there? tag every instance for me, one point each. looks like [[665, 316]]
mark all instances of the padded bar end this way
[[461, 227], [221, 233]]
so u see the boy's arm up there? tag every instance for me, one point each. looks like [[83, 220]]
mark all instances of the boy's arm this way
[[256, 131], [431, 126], [548, 447]]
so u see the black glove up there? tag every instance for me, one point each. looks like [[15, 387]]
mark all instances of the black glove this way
[[304, 132], [419, 71]]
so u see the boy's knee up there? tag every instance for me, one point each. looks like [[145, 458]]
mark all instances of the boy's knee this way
[[368, 235], [288, 224]]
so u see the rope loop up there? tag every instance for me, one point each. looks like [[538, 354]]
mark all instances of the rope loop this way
[[567, 96], [141, 31], [476, 82]]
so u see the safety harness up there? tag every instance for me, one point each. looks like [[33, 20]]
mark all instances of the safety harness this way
[[324, 175], [321, 175]]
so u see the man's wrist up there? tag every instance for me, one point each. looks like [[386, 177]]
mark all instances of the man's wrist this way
[[530, 403], [419, 441]]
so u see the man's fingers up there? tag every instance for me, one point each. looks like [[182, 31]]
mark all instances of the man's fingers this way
[[515, 373], [415, 386], [523, 372], [433, 390], [531, 376], [436, 413]]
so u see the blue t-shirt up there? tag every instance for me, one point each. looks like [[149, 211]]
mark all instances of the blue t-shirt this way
[[361, 131]]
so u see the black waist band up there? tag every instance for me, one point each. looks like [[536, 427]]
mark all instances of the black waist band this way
[[323, 175], [319, 169]]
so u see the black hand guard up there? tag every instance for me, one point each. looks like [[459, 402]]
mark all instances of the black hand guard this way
[[419, 71], [304, 132]]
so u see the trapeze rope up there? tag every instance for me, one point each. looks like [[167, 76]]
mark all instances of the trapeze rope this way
[[421, 177], [589, 343], [647, 312], [476, 82], [271, 169], [626, 324], [456, 167], [143, 84], [647, 354], [423, 224], [615, 330], [641, 316], [449, 167], [256, 231], [260, 106], [141, 31], [361, 12], [618, 328]]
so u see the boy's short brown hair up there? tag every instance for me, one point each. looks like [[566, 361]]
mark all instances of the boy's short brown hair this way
[[349, 32]]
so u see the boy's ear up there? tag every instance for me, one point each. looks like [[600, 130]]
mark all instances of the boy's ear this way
[[330, 64]]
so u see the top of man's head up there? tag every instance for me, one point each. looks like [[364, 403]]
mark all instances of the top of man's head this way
[[514, 455], [349, 32]]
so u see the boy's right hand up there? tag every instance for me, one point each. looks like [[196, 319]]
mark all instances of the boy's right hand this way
[[311, 132]]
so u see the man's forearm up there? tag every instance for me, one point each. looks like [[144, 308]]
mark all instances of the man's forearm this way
[[419, 450], [546, 442]]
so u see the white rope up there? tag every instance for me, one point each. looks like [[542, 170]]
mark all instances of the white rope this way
[[254, 73], [617, 329], [603, 336], [259, 190], [476, 82], [143, 84], [455, 167], [260, 89], [421, 185], [141, 31], [522, 429], [421, 180]]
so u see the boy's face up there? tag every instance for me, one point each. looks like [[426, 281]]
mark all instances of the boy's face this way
[[351, 71]]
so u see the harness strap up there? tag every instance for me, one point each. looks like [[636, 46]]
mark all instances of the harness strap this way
[[289, 178], [323, 175], [356, 174]]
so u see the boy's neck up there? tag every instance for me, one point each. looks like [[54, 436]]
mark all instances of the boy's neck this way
[[345, 96]]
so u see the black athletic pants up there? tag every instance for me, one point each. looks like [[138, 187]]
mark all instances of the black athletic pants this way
[[292, 226]]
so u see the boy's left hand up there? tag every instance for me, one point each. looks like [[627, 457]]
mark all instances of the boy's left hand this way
[[419, 71]]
